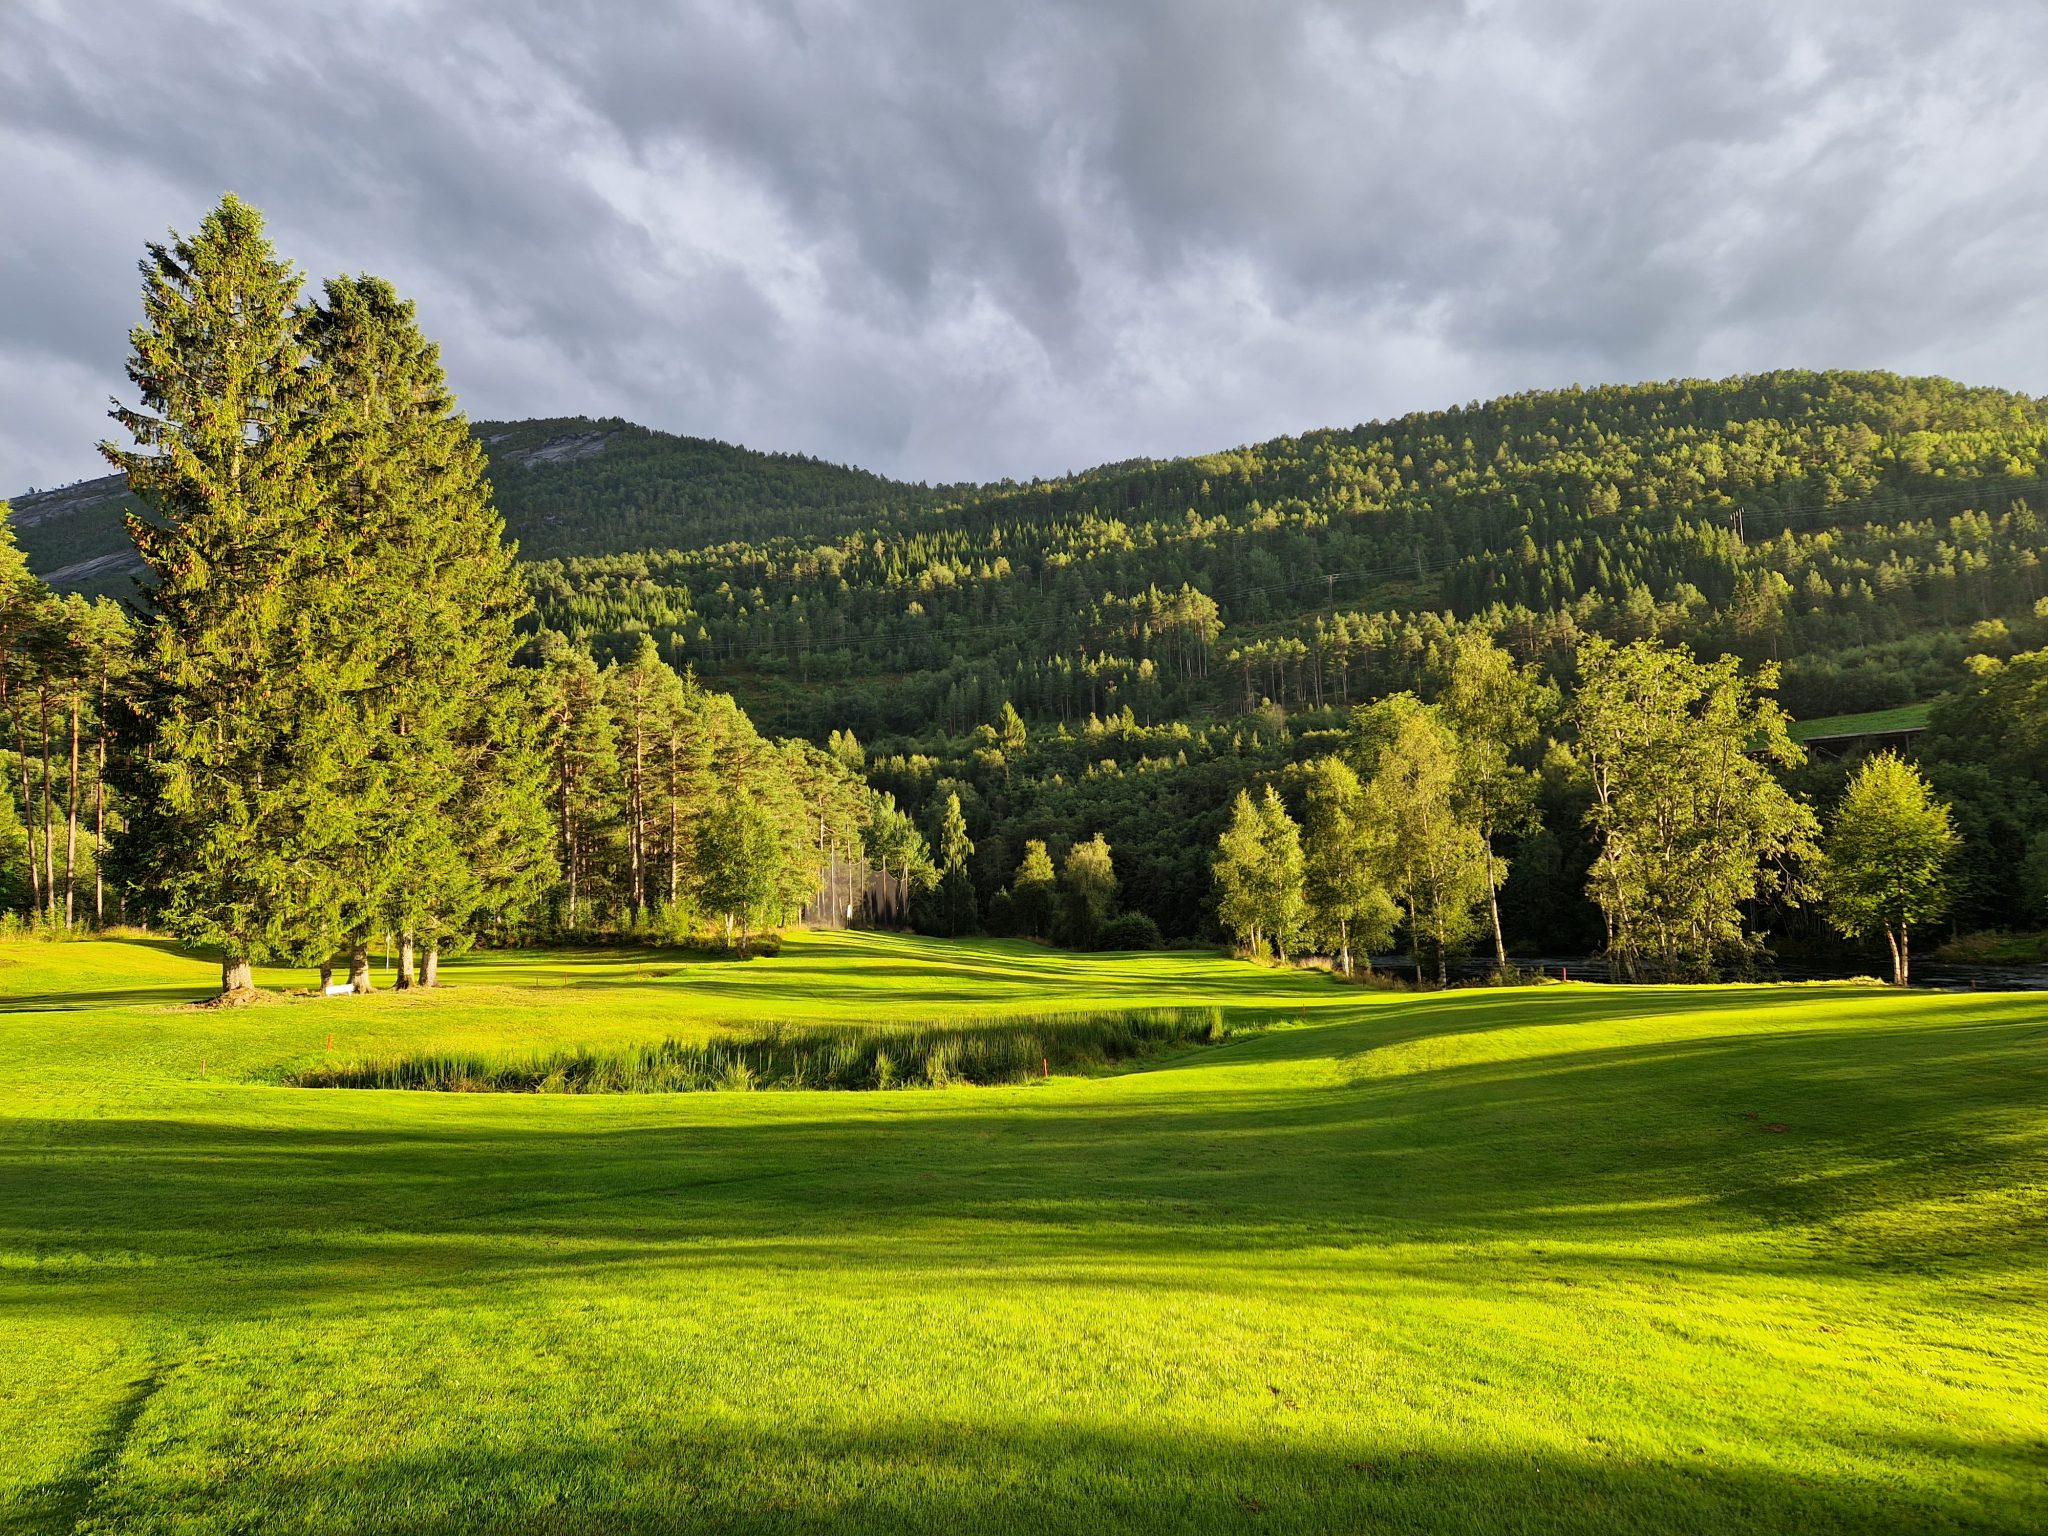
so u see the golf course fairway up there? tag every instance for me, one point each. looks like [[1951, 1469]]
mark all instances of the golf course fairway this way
[[1547, 1259]]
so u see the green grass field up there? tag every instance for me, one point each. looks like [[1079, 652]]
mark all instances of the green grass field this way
[[1875, 722], [1555, 1259]]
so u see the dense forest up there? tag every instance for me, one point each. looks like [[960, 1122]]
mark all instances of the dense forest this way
[[1045, 707]]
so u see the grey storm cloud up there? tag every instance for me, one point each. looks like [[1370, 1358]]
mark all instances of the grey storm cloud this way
[[954, 241]]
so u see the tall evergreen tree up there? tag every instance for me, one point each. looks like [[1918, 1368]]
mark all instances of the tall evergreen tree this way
[[252, 636], [953, 848], [437, 596]]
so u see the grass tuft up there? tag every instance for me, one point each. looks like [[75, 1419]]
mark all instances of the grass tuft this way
[[1007, 1050]]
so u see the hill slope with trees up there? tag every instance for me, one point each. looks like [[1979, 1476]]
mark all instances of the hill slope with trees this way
[[1067, 684]]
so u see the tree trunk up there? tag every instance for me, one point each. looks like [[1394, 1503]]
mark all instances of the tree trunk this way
[[71, 826], [1344, 943], [1905, 956], [326, 976], [1500, 944], [405, 975], [49, 822], [359, 966], [28, 800], [99, 819], [430, 968], [235, 975]]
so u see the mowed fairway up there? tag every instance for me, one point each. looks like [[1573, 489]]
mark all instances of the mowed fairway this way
[[1557, 1259]]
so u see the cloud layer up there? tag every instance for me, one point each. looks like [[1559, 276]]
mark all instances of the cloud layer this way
[[956, 241]]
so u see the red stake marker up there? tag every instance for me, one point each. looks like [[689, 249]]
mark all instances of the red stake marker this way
[[1045, 1066]]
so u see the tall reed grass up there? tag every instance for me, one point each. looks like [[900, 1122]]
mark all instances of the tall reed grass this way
[[1006, 1050]]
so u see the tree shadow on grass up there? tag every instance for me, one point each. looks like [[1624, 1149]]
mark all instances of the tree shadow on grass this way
[[858, 1465], [1797, 1133]]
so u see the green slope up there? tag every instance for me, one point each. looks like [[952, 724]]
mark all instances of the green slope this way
[[1735, 1260], [1876, 722]]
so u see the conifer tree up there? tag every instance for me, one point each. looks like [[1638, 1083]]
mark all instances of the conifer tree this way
[[437, 596], [954, 848], [252, 639], [26, 614], [582, 741]]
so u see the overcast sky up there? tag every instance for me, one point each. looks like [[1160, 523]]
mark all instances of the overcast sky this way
[[946, 239]]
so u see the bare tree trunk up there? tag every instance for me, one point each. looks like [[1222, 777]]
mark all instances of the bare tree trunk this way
[[430, 968], [326, 976], [49, 823], [405, 975], [99, 820], [674, 827], [359, 966], [1905, 956], [71, 825], [1500, 944], [235, 975], [28, 799]]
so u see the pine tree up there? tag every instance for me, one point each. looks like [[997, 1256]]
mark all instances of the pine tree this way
[[954, 848], [582, 743], [251, 640], [27, 612], [437, 596]]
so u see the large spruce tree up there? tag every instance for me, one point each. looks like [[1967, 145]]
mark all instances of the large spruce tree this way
[[449, 781], [252, 639]]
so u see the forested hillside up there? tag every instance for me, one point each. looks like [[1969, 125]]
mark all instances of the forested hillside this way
[[565, 486], [1868, 531], [1119, 652], [1859, 527]]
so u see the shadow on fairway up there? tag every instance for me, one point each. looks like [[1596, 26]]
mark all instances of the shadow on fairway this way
[[816, 1473], [1594, 1148]]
